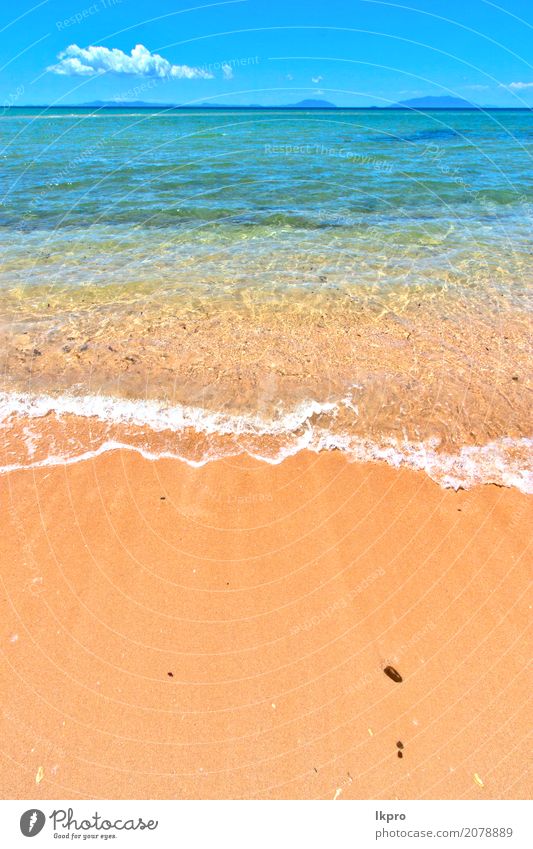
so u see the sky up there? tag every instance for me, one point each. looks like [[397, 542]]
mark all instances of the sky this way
[[269, 52]]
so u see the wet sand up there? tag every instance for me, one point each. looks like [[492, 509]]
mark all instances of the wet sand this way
[[221, 632]]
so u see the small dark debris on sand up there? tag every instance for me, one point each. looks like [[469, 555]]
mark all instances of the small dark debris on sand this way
[[393, 674], [170, 674]]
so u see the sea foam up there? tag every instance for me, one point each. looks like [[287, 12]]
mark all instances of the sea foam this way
[[505, 461]]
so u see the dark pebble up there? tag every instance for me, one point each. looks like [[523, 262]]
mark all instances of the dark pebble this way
[[399, 744], [36, 352], [162, 498], [393, 674], [170, 674], [400, 754]]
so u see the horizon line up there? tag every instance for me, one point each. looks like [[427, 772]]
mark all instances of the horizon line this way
[[291, 106]]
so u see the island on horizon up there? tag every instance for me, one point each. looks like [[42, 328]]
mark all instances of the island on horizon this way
[[415, 104]]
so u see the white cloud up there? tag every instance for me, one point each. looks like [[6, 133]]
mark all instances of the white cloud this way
[[517, 86], [227, 71], [316, 80], [290, 77], [90, 61]]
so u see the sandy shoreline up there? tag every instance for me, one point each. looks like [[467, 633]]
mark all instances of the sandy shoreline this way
[[221, 632], [434, 365]]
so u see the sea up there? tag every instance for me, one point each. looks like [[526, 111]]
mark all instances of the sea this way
[[202, 283]]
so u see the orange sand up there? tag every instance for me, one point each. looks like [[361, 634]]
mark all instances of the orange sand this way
[[275, 595]]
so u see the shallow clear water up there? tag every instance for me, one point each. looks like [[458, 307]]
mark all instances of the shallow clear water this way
[[262, 199]]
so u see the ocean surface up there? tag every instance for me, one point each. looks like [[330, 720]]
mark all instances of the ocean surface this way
[[199, 283]]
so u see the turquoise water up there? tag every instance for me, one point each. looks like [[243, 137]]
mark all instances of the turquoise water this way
[[228, 191], [251, 170]]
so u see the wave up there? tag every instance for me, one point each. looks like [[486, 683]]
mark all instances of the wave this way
[[157, 415], [133, 425]]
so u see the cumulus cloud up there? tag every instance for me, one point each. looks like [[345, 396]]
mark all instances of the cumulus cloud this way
[[90, 61], [316, 80], [517, 86], [227, 71]]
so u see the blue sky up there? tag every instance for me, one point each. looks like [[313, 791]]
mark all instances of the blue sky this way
[[351, 52]]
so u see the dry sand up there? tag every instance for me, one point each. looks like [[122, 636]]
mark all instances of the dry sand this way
[[221, 632]]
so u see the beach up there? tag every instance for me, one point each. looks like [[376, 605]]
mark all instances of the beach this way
[[265, 453], [222, 631]]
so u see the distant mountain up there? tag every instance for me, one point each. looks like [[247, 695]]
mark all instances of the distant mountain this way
[[434, 103], [312, 104]]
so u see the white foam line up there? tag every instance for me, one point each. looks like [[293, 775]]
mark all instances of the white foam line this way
[[472, 465], [103, 449], [158, 416]]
